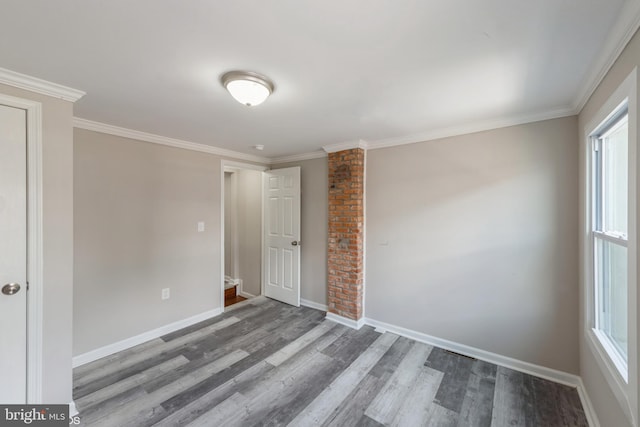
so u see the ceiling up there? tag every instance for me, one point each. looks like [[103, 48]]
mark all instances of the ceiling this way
[[344, 70]]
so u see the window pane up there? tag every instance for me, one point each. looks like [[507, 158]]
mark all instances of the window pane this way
[[614, 177], [612, 292]]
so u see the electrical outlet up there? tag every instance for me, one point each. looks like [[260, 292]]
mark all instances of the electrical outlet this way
[[165, 293], [200, 226]]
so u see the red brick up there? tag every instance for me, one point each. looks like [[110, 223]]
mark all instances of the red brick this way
[[346, 232]]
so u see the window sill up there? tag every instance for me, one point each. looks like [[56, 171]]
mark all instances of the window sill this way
[[611, 353], [616, 376]]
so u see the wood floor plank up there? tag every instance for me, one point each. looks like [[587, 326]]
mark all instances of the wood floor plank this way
[[332, 396], [257, 401], [260, 349], [418, 406], [441, 417], [250, 379], [106, 407], [251, 330], [242, 304], [122, 374], [347, 348], [545, 398], [294, 347], [299, 325], [135, 412], [107, 361], [256, 302], [127, 361], [101, 395], [296, 397], [291, 328], [210, 382], [368, 422], [213, 398], [392, 358], [509, 403], [385, 406], [224, 414], [477, 405], [353, 407], [457, 370], [206, 356], [554, 404], [201, 325], [294, 361], [233, 300], [265, 363], [571, 410]]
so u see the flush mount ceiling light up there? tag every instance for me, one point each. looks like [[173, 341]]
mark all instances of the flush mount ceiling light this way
[[246, 87]]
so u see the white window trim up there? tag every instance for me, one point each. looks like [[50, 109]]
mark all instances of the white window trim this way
[[610, 237], [623, 380]]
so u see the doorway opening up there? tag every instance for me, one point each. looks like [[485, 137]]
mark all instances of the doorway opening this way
[[242, 223]]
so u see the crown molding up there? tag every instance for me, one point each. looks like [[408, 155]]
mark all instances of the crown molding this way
[[623, 30], [163, 140], [299, 157], [349, 145], [479, 126], [34, 84], [372, 145], [231, 166]]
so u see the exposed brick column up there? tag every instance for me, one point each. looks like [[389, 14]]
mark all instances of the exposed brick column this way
[[346, 233]]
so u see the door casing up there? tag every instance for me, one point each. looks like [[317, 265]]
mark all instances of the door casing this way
[[232, 166], [34, 243]]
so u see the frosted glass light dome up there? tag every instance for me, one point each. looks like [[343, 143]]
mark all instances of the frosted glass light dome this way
[[247, 88]]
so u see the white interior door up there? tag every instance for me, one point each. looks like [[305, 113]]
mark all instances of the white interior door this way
[[282, 235], [13, 255]]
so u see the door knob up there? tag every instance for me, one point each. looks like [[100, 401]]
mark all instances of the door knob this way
[[295, 243], [10, 289]]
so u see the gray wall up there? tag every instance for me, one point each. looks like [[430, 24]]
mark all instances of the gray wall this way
[[57, 198], [136, 208], [249, 227], [607, 407], [315, 220], [474, 239]]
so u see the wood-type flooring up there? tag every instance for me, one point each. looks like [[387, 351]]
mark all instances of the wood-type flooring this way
[[264, 363], [233, 300]]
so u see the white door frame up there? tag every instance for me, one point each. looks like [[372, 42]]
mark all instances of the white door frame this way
[[232, 166], [34, 243]]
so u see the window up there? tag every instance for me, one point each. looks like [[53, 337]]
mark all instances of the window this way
[[609, 242], [610, 234]]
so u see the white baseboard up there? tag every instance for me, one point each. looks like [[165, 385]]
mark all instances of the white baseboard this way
[[107, 350], [508, 362], [246, 294], [311, 304], [354, 324], [241, 290], [589, 412], [73, 411]]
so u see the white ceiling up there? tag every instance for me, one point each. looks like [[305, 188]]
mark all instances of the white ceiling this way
[[376, 70]]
